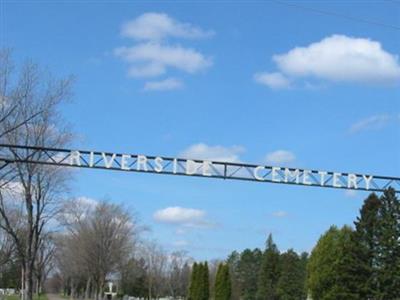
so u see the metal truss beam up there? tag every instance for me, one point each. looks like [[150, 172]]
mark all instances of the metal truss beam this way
[[10, 154]]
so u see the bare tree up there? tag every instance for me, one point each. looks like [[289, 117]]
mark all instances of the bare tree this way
[[156, 266], [99, 240], [12, 96], [30, 117], [44, 260], [72, 250], [70, 262], [179, 274], [6, 248]]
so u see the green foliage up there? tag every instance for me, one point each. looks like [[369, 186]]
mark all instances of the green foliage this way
[[10, 274], [248, 270], [291, 281], [360, 264], [193, 282], [133, 279], [367, 246], [205, 282], [199, 283], [269, 272], [222, 283], [233, 261], [376, 245], [320, 264], [388, 259], [330, 268]]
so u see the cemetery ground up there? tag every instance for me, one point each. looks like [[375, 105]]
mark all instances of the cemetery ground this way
[[35, 297]]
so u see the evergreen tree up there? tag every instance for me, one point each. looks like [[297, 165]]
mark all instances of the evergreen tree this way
[[331, 268], [205, 282], [290, 284], [367, 244], [360, 264], [228, 283], [218, 285], [193, 288], [269, 272], [319, 273], [233, 261], [388, 258], [303, 276], [348, 269], [199, 283], [377, 251], [248, 270], [133, 278], [222, 283]]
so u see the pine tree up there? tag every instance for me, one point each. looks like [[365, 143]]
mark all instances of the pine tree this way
[[303, 277], [199, 283], [193, 288], [248, 270], [332, 270], [360, 264], [228, 283], [291, 282], [233, 262], [205, 282], [222, 283], [319, 269], [366, 244], [388, 258], [218, 289], [348, 270], [269, 272]]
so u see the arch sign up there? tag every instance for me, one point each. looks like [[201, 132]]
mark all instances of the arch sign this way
[[195, 167]]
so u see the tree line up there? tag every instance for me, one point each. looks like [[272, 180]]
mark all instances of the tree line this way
[[348, 263], [360, 263]]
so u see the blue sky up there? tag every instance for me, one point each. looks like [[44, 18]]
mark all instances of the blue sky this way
[[224, 80]]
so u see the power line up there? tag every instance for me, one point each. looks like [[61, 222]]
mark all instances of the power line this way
[[335, 14]]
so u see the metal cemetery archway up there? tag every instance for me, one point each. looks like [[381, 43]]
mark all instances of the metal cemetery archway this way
[[10, 154]]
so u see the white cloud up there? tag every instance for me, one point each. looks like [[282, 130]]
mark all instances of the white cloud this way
[[214, 153], [86, 201], [185, 217], [153, 59], [273, 80], [163, 85], [157, 26], [280, 157], [341, 58], [179, 215], [152, 55], [370, 123], [280, 214]]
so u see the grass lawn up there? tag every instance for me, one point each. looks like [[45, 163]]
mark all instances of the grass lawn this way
[[16, 297]]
